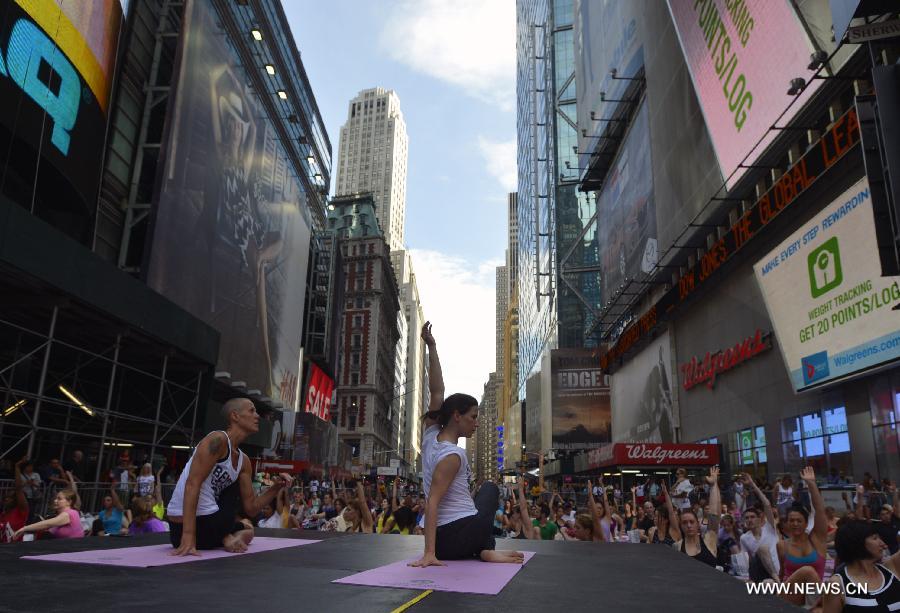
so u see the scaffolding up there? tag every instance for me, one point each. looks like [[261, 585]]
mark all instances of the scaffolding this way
[[71, 380]]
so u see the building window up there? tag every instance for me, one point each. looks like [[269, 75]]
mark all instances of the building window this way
[[356, 341], [357, 321], [819, 439], [747, 451], [359, 303], [354, 359], [360, 267], [354, 378], [884, 405], [359, 284]]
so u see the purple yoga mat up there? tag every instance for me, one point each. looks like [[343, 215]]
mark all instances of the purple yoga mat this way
[[158, 555], [467, 576]]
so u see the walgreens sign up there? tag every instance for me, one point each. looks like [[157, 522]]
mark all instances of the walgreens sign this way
[[653, 454], [707, 369], [663, 454]]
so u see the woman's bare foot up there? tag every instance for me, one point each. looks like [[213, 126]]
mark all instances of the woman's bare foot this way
[[234, 543], [246, 535], [503, 557]]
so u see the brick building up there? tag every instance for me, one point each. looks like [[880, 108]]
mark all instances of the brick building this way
[[369, 334]]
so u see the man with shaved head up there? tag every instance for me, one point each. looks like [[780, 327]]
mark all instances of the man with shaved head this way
[[215, 484]]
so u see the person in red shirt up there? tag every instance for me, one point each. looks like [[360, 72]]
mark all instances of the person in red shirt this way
[[15, 508]]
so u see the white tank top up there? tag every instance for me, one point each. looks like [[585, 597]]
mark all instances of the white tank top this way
[[457, 502], [221, 476]]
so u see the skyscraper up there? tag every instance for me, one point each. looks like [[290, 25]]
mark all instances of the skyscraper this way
[[487, 434], [413, 380], [557, 226], [501, 312], [502, 295], [372, 158], [512, 244], [508, 338]]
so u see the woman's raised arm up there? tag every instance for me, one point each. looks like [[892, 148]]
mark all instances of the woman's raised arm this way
[[435, 376]]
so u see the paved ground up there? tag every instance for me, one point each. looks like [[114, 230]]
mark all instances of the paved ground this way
[[562, 577]]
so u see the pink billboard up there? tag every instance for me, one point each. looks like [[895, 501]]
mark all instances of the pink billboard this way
[[742, 57]]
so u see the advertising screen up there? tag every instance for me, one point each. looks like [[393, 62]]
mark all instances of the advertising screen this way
[[831, 308], [56, 69], [580, 399], [316, 441], [231, 234], [742, 57], [642, 403], [318, 393], [626, 211]]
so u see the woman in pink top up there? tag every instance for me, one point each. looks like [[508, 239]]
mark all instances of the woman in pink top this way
[[67, 523]]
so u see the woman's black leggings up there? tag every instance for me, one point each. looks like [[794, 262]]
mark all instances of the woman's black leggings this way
[[467, 537], [211, 529]]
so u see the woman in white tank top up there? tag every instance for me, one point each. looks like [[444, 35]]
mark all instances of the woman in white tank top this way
[[456, 527]]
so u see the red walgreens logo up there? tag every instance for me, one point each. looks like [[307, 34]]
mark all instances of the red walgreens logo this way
[[659, 454], [712, 365]]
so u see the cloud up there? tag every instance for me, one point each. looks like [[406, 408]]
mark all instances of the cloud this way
[[468, 43], [459, 298], [500, 159]]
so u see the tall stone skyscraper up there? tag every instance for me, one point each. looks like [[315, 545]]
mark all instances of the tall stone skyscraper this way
[[502, 308], [372, 158], [512, 245]]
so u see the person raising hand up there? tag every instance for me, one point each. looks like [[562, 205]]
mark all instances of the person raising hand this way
[[703, 548]]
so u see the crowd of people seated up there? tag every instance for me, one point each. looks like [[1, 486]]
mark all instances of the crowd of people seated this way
[[763, 533]]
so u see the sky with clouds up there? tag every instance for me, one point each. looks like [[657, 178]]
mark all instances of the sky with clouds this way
[[453, 66]]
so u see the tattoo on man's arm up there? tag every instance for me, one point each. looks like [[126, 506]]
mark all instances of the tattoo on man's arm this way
[[215, 446]]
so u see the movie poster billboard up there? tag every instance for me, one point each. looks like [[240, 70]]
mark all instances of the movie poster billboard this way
[[580, 400], [231, 231], [833, 312], [642, 396], [57, 61], [742, 57], [626, 211]]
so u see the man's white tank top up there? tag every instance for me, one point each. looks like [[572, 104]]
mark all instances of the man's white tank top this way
[[221, 476], [457, 501]]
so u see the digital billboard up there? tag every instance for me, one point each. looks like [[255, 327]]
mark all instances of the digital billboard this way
[[832, 310], [742, 57], [319, 391], [626, 211], [642, 400], [580, 400], [231, 230], [56, 69]]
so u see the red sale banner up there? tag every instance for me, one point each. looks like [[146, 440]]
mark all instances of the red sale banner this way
[[318, 393]]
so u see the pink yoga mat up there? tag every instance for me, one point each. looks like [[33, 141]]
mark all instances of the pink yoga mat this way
[[467, 576], [158, 555]]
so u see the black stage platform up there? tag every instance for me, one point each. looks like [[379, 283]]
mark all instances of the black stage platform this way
[[561, 577]]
